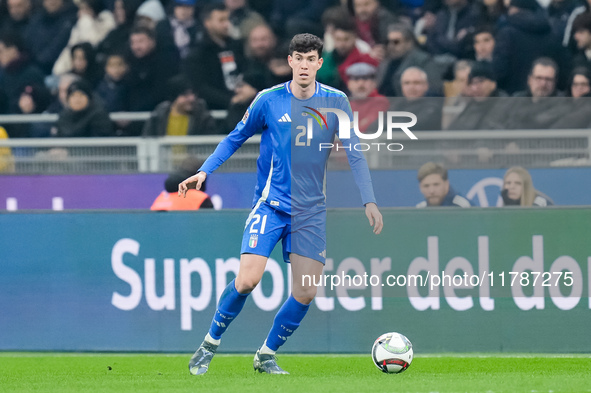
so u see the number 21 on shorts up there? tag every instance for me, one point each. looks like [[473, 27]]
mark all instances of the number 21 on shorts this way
[[256, 221]]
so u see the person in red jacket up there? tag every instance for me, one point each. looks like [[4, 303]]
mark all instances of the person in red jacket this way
[[365, 99]]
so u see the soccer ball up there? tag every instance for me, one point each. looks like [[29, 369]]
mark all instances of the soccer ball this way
[[392, 353]]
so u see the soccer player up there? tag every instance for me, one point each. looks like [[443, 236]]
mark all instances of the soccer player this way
[[289, 203]]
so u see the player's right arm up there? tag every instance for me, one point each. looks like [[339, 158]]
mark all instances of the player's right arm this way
[[252, 121]]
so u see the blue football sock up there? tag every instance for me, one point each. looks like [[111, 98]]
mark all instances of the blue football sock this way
[[229, 306], [286, 322]]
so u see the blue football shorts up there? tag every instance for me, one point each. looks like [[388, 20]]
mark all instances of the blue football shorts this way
[[303, 233]]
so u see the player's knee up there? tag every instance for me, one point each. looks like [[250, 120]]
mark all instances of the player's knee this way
[[246, 284], [304, 295]]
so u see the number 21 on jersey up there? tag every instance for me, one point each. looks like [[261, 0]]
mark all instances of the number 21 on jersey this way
[[256, 221]]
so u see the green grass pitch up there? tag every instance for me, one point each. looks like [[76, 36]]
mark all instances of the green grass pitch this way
[[98, 372]]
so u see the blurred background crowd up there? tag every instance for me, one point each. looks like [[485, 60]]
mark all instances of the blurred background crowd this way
[[180, 59]]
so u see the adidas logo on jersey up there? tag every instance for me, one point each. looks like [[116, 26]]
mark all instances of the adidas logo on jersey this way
[[285, 119]]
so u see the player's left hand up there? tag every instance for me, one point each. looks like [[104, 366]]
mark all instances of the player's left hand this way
[[375, 217]]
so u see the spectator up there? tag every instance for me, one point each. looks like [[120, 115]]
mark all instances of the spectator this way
[[541, 80], [582, 36], [113, 87], [456, 92], [579, 83], [561, 14], [484, 44], [49, 31], [518, 190], [18, 72], [537, 109], [149, 14], [242, 18], [57, 105], [33, 99], [403, 52], [365, 99], [289, 18], [485, 110], [117, 41], [579, 105], [372, 21], [214, 64], [330, 18], [525, 37], [435, 187], [180, 29], [456, 22], [345, 53], [149, 69], [83, 117], [6, 158], [182, 114], [194, 200], [428, 110], [491, 11], [279, 67], [458, 87], [260, 48], [93, 25], [18, 18], [84, 63]]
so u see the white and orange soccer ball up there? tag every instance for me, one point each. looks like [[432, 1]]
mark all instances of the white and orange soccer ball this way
[[392, 353]]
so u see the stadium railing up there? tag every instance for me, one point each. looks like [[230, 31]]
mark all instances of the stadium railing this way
[[456, 149]]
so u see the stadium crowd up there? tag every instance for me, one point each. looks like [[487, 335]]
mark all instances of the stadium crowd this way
[[179, 59]]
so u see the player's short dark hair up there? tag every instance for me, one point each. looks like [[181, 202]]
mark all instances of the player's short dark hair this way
[[431, 168], [305, 43], [209, 9], [144, 30]]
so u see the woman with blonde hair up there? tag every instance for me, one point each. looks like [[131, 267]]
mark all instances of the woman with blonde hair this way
[[518, 189]]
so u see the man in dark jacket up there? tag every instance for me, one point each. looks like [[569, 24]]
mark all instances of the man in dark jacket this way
[[537, 107], [428, 110], [453, 29], [526, 36], [214, 64], [117, 41], [149, 69], [402, 52], [84, 116], [18, 72], [582, 36], [49, 31], [488, 105], [18, 18], [182, 114]]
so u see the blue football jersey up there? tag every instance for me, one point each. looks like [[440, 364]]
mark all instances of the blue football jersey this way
[[293, 152]]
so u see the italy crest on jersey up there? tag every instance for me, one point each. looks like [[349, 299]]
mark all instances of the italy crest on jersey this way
[[252, 243]]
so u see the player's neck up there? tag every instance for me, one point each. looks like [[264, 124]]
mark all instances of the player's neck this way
[[302, 92]]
